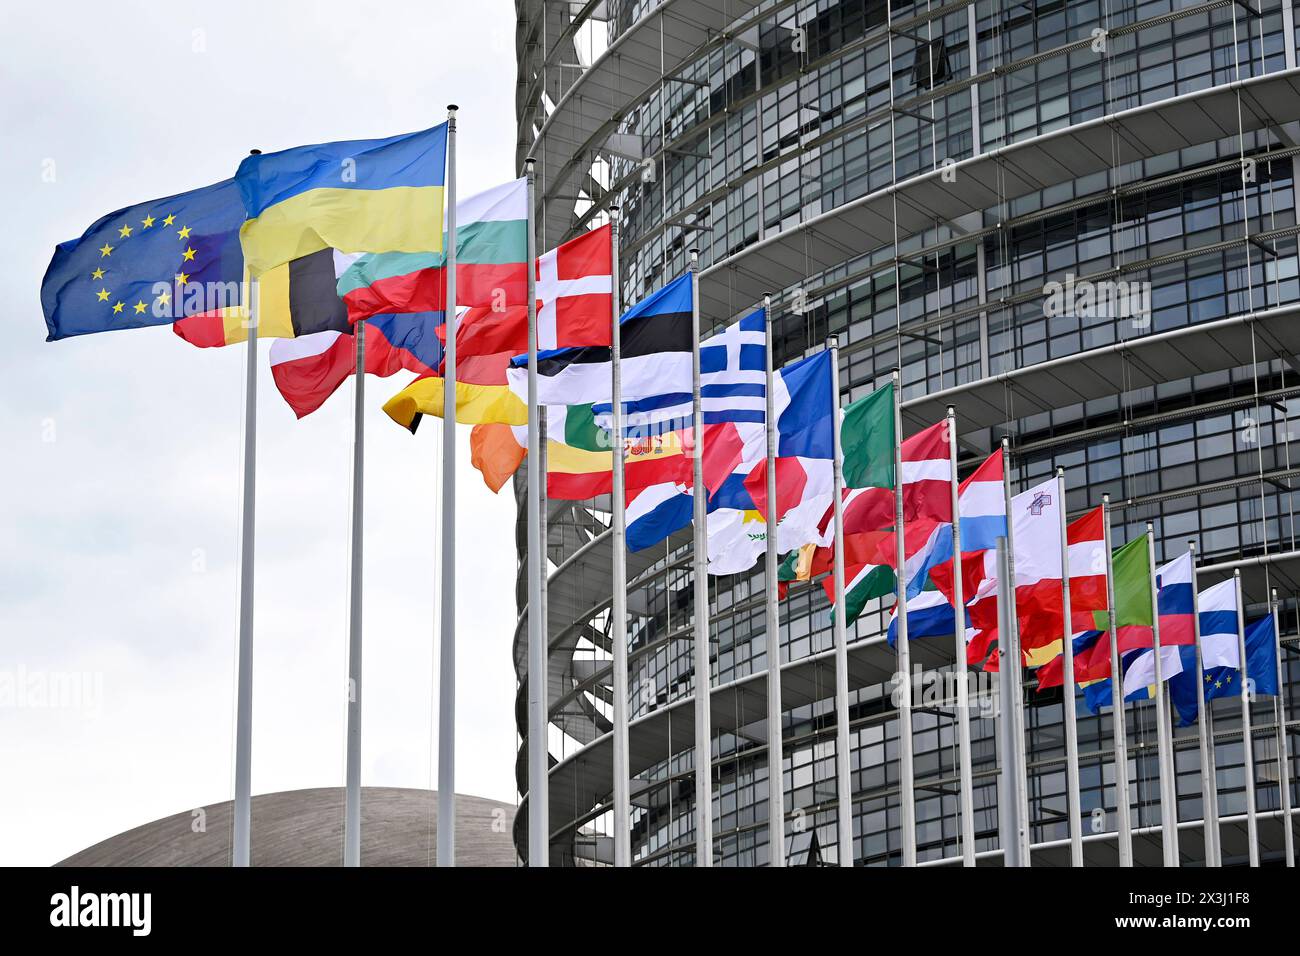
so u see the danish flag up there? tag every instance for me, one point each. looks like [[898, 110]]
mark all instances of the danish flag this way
[[575, 286]]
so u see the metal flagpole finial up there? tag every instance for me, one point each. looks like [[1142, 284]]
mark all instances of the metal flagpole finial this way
[[1151, 528], [1105, 499], [952, 411], [1060, 472], [254, 152], [452, 108], [832, 341]]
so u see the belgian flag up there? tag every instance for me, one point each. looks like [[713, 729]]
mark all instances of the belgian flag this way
[[295, 299]]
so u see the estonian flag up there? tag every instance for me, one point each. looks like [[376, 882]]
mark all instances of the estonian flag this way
[[655, 357]]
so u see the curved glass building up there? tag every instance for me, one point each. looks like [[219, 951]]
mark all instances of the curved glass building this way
[[915, 177]]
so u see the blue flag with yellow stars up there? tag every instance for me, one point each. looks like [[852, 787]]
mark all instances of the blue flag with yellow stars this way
[[148, 264]]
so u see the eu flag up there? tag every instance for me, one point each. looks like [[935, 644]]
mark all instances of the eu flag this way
[[148, 264]]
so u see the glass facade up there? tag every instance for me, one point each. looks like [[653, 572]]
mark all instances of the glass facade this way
[[772, 128]]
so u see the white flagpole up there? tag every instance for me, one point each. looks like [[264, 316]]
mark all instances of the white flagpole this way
[[352, 776], [1247, 736], [447, 649], [703, 671], [1283, 751], [843, 776], [618, 612], [243, 822], [1010, 817], [1068, 692], [775, 745], [1209, 777], [1164, 738], [907, 798], [538, 761], [960, 669], [1009, 656], [1119, 716]]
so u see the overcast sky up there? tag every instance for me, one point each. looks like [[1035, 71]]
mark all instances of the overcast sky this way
[[119, 526]]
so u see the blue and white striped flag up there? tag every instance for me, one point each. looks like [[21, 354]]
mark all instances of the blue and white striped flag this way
[[733, 368]]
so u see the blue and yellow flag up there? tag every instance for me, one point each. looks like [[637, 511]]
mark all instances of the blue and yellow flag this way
[[148, 264], [376, 195]]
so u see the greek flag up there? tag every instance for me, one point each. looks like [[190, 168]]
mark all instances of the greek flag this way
[[733, 368]]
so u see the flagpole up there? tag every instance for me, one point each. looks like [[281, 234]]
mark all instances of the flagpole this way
[[447, 650], [243, 822], [775, 745], [960, 668], [1283, 751], [1209, 777], [843, 775], [1247, 736], [907, 815], [1164, 737], [1067, 690], [1011, 822], [618, 612], [538, 824], [1009, 655], [703, 671], [1119, 715], [352, 776]]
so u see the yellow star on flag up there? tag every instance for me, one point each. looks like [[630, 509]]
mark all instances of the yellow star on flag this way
[[163, 297], [117, 308], [169, 220], [124, 232], [140, 307], [105, 250], [185, 232], [102, 295], [147, 221], [182, 277], [97, 274], [189, 254]]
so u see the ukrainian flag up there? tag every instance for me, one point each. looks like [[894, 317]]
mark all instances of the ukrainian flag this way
[[375, 195]]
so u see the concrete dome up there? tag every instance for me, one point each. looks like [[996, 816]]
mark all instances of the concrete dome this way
[[305, 828]]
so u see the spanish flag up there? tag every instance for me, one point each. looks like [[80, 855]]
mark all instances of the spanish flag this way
[[375, 195]]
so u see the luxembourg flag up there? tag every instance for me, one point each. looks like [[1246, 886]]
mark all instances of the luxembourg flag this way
[[981, 502]]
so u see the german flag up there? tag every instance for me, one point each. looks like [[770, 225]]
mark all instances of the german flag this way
[[295, 299]]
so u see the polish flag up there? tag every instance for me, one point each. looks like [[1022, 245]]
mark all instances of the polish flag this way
[[575, 287], [1086, 540]]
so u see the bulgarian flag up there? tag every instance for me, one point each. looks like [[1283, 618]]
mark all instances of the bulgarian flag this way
[[491, 263]]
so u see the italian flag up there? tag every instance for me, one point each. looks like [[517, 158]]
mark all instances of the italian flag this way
[[491, 263]]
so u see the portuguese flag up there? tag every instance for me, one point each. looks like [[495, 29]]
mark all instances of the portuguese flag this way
[[491, 263]]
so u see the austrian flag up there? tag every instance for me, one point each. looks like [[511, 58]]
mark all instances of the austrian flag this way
[[575, 288]]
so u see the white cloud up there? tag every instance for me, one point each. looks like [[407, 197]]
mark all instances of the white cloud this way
[[119, 541]]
